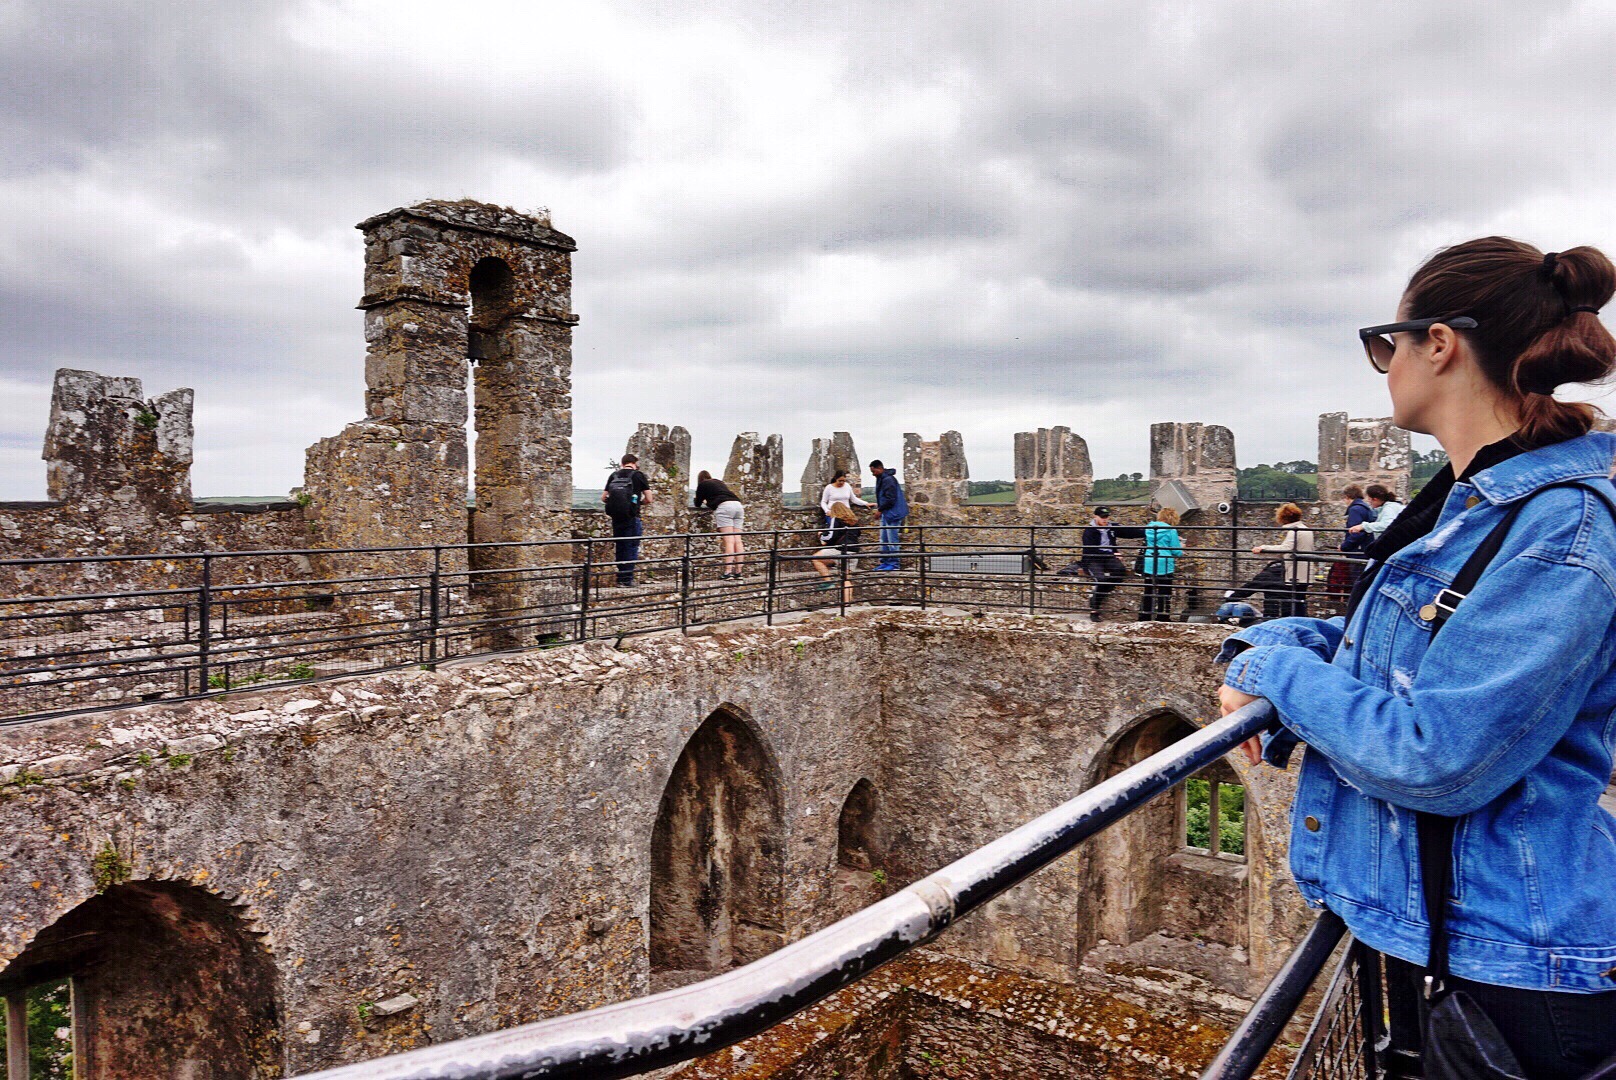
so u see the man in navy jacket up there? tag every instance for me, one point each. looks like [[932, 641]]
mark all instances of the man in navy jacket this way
[[894, 509]]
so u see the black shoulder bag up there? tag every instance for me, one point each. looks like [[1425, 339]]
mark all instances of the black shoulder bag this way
[[1460, 1041]]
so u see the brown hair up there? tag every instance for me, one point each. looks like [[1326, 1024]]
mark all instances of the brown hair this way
[[1167, 516], [703, 475], [1381, 492], [1352, 491], [1288, 513], [843, 512], [1537, 323]]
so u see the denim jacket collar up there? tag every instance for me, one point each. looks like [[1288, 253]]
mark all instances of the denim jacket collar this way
[[1588, 457]]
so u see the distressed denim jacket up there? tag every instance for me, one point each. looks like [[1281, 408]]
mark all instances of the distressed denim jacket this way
[[1506, 720]]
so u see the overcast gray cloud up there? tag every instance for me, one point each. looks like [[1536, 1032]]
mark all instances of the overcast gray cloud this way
[[881, 216]]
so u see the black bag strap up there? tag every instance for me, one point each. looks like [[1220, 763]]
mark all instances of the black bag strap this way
[[1436, 832]]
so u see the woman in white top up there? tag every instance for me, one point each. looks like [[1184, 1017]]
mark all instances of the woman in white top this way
[[1298, 572], [839, 491]]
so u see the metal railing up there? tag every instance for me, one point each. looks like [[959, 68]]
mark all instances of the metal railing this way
[[679, 1025], [83, 633]]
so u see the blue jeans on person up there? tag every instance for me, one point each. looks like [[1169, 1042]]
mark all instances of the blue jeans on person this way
[[628, 531], [890, 524]]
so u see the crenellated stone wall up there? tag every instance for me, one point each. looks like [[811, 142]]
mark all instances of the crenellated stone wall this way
[[935, 473], [1362, 452], [664, 455], [1052, 468], [826, 458]]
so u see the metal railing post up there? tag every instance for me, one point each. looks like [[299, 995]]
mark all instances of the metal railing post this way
[[204, 612], [774, 575], [841, 583], [684, 587], [1234, 544], [583, 591], [433, 599], [1032, 570], [921, 545]]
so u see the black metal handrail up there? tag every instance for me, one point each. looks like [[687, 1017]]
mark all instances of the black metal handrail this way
[[678, 1025], [71, 642]]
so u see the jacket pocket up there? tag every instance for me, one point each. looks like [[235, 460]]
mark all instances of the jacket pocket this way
[[1396, 642]]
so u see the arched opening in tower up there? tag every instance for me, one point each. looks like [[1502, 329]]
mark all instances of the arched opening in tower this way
[[161, 978], [858, 845], [1177, 865], [717, 852]]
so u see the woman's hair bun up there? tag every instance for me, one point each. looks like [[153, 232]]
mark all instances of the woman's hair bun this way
[[1576, 348]]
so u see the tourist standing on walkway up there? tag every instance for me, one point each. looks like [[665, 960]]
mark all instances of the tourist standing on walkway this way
[[627, 490], [1344, 572], [839, 491], [1358, 512], [894, 509], [1157, 564], [1384, 500], [1459, 739], [1298, 541], [836, 547], [729, 518], [1099, 558]]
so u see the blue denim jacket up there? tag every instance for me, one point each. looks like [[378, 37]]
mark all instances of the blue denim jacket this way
[[1506, 720]]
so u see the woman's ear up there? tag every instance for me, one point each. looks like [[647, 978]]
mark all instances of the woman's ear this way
[[1442, 347]]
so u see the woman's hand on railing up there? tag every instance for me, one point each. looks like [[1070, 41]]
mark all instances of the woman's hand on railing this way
[[1230, 699]]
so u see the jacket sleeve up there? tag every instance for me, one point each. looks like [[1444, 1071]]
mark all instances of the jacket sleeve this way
[[1493, 694], [1319, 636], [1287, 544], [1174, 546]]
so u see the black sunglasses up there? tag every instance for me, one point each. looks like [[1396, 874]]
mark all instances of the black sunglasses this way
[[1379, 347]]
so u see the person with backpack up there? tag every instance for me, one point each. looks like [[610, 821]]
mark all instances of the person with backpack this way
[[1157, 563], [627, 490], [1458, 717]]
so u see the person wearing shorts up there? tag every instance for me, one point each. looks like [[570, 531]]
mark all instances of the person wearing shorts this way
[[729, 518]]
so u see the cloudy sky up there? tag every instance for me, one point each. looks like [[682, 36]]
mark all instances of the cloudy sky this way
[[880, 216]]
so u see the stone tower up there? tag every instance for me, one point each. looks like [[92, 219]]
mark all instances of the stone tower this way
[[449, 285]]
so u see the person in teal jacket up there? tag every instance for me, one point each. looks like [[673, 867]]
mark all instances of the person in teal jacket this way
[[1506, 721], [1158, 563]]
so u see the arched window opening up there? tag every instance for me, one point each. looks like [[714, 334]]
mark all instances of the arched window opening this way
[[154, 979], [857, 843], [1175, 866], [718, 854], [492, 285]]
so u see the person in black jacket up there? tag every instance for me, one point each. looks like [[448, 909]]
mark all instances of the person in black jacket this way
[[729, 518], [627, 490], [1100, 560]]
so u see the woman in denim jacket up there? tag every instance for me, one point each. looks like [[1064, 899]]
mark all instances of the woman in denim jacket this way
[[1507, 720]]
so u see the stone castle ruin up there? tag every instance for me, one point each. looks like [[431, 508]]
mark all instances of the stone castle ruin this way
[[466, 302], [280, 879]]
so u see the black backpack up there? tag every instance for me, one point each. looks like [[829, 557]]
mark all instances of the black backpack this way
[[621, 498]]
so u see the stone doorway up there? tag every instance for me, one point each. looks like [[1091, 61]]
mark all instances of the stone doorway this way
[[164, 980], [717, 854]]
